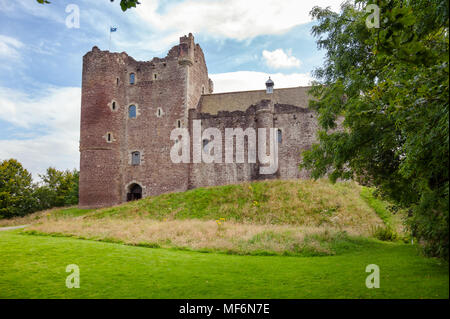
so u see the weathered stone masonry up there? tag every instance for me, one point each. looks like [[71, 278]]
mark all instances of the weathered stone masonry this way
[[168, 93]]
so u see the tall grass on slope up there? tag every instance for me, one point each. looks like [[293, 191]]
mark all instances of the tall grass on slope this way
[[50, 214], [206, 236], [393, 227], [296, 202]]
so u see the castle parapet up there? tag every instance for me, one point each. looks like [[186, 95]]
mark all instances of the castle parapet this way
[[186, 50]]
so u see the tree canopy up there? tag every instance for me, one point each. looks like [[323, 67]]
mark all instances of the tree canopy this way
[[19, 195], [16, 189], [389, 87]]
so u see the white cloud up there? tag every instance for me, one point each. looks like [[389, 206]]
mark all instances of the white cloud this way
[[56, 107], [157, 25], [39, 153], [249, 80], [234, 19], [57, 113], [279, 59], [9, 47]]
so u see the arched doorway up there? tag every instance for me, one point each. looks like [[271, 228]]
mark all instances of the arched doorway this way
[[134, 192]]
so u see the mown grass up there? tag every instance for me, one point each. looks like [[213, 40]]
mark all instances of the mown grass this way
[[34, 267]]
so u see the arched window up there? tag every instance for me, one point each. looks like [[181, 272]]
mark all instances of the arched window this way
[[132, 111], [132, 78], [109, 137], [206, 146], [279, 136], [178, 123], [159, 112], [113, 106], [135, 158]]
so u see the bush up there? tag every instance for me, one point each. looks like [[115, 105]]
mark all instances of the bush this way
[[384, 233], [429, 223]]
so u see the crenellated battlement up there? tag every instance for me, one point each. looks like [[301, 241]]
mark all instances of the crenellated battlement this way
[[186, 53]]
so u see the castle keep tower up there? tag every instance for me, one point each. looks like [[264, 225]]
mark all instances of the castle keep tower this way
[[128, 110]]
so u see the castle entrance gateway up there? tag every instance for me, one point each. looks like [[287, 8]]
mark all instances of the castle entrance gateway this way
[[134, 192]]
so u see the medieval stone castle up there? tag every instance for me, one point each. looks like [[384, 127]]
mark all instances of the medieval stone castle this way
[[129, 109]]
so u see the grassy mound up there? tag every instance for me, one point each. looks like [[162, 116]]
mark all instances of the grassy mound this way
[[298, 217], [296, 202]]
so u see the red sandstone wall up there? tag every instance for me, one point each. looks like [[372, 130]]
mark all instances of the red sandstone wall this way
[[99, 160], [299, 127], [105, 170]]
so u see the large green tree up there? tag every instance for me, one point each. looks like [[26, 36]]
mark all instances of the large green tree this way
[[58, 188], [16, 190], [19, 196], [388, 84]]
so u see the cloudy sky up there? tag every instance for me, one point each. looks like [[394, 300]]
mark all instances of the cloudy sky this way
[[41, 58]]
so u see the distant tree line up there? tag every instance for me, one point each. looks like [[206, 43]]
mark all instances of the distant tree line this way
[[20, 196]]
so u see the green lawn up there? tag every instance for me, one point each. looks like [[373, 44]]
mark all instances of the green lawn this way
[[34, 267]]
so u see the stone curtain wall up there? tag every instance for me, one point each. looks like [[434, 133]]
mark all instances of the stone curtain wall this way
[[298, 126]]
